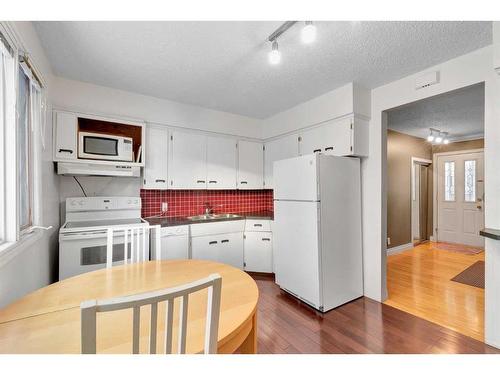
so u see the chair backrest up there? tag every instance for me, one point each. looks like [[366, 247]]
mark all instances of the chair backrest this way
[[213, 283], [135, 243]]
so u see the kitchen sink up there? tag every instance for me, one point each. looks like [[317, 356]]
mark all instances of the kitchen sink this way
[[213, 217]]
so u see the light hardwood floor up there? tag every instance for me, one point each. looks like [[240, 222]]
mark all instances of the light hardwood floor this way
[[418, 282]]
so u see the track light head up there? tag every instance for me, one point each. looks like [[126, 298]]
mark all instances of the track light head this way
[[308, 33], [274, 55]]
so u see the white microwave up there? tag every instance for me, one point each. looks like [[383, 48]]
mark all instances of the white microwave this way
[[105, 147]]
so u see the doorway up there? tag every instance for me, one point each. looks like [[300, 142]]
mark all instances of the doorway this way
[[420, 204], [435, 208]]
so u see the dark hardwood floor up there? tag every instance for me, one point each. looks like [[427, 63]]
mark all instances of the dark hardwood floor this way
[[286, 325]]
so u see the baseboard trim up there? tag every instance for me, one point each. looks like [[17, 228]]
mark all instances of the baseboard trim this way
[[400, 248]]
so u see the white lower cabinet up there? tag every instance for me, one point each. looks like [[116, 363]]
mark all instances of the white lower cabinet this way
[[224, 248], [258, 249]]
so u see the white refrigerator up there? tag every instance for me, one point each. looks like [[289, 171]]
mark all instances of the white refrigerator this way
[[317, 229]]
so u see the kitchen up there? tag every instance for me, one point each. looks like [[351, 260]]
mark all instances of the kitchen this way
[[274, 199]]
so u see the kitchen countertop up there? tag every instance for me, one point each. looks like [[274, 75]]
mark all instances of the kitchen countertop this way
[[174, 221]]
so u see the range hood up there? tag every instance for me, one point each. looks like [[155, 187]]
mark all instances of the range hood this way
[[91, 169]]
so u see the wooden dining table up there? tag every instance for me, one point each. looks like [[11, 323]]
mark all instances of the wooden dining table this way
[[48, 320]]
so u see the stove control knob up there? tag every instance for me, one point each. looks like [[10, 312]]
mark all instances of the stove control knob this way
[[81, 203], [73, 203], [129, 201]]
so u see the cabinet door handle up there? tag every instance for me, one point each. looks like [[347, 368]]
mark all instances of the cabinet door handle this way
[[212, 182], [317, 150], [224, 241], [212, 243], [257, 225], [65, 150], [329, 148], [244, 182], [160, 181], [266, 239], [200, 181]]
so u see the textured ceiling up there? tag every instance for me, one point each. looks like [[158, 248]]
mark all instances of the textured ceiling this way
[[460, 113], [223, 65]]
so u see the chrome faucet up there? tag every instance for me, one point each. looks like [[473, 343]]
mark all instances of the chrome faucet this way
[[209, 209]]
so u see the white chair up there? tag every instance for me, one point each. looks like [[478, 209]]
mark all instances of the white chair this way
[[138, 238], [89, 310]]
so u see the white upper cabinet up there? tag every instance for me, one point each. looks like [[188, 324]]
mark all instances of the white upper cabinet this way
[[155, 174], [65, 136], [343, 137], [278, 149], [311, 141], [250, 165], [221, 163], [188, 167]]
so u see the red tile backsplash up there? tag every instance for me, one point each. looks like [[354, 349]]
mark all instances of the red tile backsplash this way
[[192, 202]]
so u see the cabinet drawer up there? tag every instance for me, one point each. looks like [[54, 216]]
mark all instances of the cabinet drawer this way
[[254, 225]]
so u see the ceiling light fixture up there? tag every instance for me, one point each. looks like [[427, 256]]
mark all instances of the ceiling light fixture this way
[[430, 137], [308, 33], [439, 138], [274, 54]]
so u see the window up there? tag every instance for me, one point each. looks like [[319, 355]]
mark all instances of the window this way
[[24, 151], [20, 116], [449, 181], [7, 101], [470, 180]]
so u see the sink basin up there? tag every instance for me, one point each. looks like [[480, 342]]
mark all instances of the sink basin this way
[[225, 216], [212, 217], [200, 217]]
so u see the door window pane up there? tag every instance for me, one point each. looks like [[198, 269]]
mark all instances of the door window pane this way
[[449, 181], [470, 180]]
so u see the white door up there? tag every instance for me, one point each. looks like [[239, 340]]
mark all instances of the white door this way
[[296, 179], [295, 236], [155, 170], [231, 249], [337, 137], [188, 168], [461, 198], [250, 165], [311, 141], [205, 247], [66, 134], [258, 250], [175, 247], [221, 163], [278, 149]]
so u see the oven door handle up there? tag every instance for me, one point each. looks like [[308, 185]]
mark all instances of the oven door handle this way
[[83, 235]]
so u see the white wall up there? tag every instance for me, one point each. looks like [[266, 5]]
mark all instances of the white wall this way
[[342, 101], [463, 71], [33, 264], [88, 98]]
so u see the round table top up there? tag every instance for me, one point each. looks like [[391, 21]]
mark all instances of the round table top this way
[[48, 320]]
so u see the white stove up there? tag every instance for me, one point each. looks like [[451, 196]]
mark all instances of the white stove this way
[[82, 238]]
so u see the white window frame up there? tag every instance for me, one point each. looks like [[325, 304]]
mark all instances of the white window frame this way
[[10, 234]]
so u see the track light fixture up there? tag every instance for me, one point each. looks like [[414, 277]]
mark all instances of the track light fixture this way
[[440, 137], [308, 35]]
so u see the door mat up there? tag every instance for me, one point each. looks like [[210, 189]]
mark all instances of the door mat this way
[[457, 248], [473, 275]]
